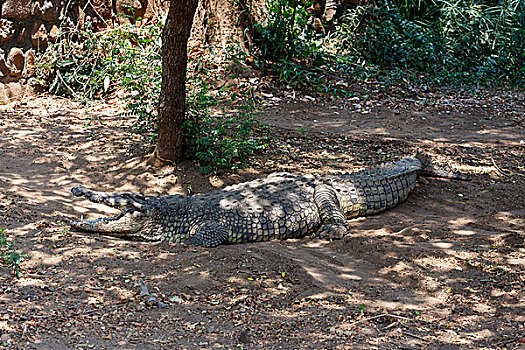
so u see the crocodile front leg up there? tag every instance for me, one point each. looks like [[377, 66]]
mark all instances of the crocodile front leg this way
[[207, 234], [333, 219]]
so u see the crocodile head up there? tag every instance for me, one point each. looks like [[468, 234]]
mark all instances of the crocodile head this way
[[127, 223], [137, 220]]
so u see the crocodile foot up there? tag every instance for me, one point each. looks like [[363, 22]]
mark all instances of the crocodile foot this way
[[332, 231]]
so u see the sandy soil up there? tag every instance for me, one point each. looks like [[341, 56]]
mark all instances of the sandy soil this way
[[444, 270]]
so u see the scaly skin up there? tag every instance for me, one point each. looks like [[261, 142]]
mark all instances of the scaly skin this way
[[280, 206]]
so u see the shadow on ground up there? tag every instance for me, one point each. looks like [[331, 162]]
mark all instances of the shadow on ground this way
[[444, 270]]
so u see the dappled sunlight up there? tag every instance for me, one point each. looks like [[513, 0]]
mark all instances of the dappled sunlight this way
[[444, 268], [514, 219], [452, 127], [33, 282], [443, 245], [517, 261], [320, 277], [465, 232], [60, 152]]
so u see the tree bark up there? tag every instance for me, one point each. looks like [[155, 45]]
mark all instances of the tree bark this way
[[172, 100]]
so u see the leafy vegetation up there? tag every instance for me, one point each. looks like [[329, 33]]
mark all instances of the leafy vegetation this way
[[428, 41], [293, 49], [128, 59], [8, 255], [441, 41], [223, 137]]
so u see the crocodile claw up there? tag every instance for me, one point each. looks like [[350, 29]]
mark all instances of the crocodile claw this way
[[332, 231]]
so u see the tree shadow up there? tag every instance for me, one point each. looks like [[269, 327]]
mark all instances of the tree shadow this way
[[442, 270]]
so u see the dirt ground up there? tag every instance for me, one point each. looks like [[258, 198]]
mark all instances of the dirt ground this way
[[444, 270]]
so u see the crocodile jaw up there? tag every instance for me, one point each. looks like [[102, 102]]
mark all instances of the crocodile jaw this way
[[128, 223]]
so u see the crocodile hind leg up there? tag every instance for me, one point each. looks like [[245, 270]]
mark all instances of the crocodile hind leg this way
[[207, 234], [333, 219]]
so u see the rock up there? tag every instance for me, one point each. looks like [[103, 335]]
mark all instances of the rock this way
[[7, 30], [4, 99], [22, 37], [15, 62], [48, 9], [19, 9], [13, 91], [39, 35], [4, 69], [29, 68], [54, 32]]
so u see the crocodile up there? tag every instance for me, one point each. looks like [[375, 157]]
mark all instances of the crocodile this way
[[280, 206]]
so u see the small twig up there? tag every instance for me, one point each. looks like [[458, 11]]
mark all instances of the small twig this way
[[399, 317], [148, 298], [377, 316], [65, 84], [391, 325], [44, 316], [487, 280], [506, 341], [499, 169], [416, 336]]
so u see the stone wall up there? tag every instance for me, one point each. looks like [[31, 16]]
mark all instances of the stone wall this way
[[27, 27]]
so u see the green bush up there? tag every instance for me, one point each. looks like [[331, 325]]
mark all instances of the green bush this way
[[220, 138], [483, 40], [287, 42], [456, 41], [285, 34], [441, 41], [9, 256], [225, 142]]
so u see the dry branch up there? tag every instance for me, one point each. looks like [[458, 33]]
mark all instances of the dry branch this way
[[147, 297]]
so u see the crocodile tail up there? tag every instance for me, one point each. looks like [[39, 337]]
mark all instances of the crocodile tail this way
[[433, 168]]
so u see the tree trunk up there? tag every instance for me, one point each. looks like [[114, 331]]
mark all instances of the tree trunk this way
[[172, 100], [218, 23]]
